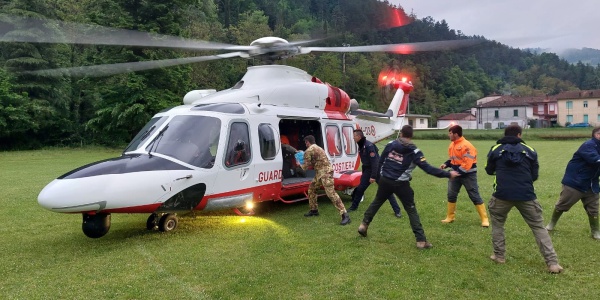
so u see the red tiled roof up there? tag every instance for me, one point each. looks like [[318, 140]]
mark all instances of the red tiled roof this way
[[579, 94]]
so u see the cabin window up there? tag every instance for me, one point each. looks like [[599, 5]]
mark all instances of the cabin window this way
[[349, 144], [144, 133], [515, 113], [238, 145], [191, 139], [496, 114], [334, 143], [266, 139], [585, 104]]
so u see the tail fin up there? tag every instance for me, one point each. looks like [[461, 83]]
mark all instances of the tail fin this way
[[378, 126]]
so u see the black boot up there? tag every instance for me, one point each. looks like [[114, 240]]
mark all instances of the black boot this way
[[311, 213], [399, 214], [345, 219], [362, 229]]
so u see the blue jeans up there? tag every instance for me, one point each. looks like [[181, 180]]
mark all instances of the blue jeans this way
[[359, 191], [469, 181]]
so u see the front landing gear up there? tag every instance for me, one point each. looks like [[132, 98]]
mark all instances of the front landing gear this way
[[162, 222], [95, 226]]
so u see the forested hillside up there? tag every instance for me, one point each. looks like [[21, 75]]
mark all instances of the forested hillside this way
[[38, 111]]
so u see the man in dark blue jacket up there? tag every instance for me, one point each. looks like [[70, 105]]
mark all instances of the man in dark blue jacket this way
[[369, 156], [399, 158], [580, 182], [516, 167]]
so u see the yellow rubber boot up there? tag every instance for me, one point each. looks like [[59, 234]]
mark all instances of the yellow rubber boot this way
[[451, 213], [483, 215]]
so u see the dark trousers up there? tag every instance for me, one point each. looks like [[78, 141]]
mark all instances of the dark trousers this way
[[469, 181], [359, 191], [406, 195]]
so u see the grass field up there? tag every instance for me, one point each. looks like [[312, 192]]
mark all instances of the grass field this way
[[279, 254]]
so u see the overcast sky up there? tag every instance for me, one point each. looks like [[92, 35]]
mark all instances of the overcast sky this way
[[518, 23]]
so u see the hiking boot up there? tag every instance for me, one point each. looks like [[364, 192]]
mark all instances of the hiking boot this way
[[498, 260], [555, 269], [424, 245], [311, 213], [345, 219], [362, 229]]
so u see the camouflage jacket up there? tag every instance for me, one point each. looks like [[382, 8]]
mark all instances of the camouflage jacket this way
[[316, 158]]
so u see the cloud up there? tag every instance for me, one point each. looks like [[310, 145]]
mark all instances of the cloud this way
[[521, 24]]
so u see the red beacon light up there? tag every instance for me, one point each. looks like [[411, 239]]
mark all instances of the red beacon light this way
[[403, 84]]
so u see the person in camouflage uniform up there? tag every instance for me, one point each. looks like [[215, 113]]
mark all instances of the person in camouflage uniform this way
[[315, 158]]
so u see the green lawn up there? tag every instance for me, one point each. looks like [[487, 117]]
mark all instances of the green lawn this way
[[279, 254]]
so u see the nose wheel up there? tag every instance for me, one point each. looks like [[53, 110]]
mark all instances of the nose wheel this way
[[162, 222]]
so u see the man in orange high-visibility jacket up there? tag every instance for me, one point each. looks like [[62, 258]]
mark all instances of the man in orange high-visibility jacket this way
[[463, 159]]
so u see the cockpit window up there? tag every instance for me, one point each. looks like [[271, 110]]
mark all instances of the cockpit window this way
[[147, 131], [228, 108], [190, 139]]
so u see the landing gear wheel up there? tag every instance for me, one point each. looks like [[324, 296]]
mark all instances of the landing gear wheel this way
[[168, 222], [152, 222], [95, 226]]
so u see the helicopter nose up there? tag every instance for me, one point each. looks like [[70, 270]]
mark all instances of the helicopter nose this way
[[46, 198], [68, 196]]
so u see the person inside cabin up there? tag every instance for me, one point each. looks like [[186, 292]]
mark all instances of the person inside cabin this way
[[238, 147], [290, 167]]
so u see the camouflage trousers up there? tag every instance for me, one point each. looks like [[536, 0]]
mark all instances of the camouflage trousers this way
[[326, 182]]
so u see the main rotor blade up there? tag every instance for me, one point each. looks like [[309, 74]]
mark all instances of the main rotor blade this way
[[405, 48], [59, 32], [111, 69]]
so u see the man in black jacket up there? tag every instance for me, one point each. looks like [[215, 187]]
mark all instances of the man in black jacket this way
[[369, 156], [516, 167], [580, 182], [399, 158]]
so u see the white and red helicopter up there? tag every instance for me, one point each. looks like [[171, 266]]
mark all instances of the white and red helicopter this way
[[223, 150]]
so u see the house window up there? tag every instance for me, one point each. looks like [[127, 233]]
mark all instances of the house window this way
[[598, 103], [495, 114], [570, 118], [515, 113], [540, 108], [598, 118], [585, 118], [569, 104], [422, 121], [551, 107], [585, 104]]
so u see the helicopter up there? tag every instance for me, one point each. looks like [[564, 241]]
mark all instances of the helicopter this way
[[224, 150]]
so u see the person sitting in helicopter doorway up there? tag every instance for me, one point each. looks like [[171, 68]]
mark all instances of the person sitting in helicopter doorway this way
[[369, 156], [580, 182], [315, 158], [290, 167]]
